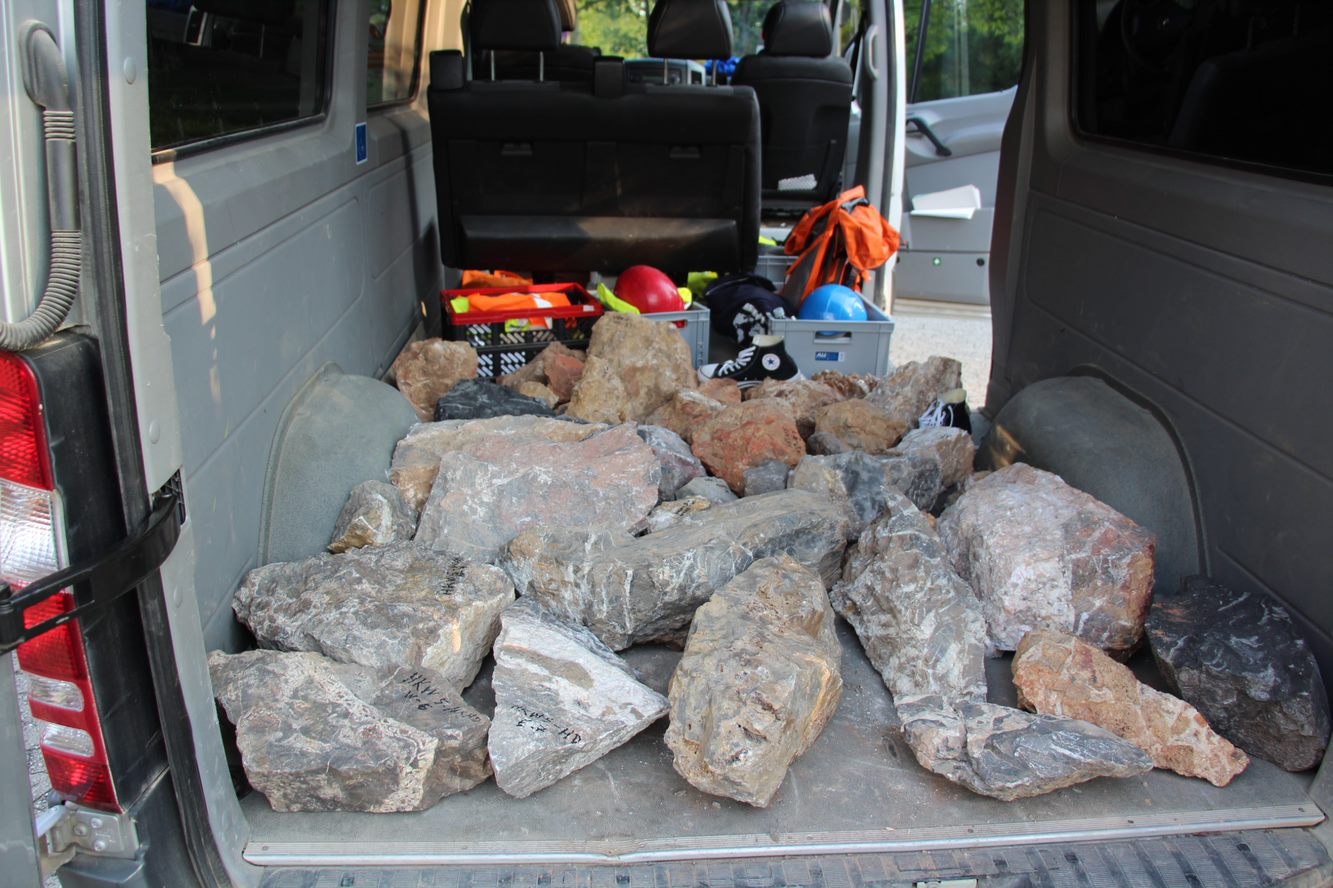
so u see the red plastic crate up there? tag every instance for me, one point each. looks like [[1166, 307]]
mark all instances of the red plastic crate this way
[[504, 342]]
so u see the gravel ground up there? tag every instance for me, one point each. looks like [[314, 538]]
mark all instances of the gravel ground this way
[[962, 332]]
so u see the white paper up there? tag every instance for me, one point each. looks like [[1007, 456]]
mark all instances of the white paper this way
[[955, 203]]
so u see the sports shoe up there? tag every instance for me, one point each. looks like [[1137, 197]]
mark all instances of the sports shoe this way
[[949, 409], [766, 359]]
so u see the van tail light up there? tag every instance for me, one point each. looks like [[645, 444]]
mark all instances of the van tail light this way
[[32, 546]]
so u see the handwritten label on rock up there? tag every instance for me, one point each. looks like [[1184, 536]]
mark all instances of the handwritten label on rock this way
[[422, 692], [453, 575], [540, 723]]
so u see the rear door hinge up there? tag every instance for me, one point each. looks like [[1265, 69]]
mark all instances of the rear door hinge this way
[[67, 829], [99, 582]]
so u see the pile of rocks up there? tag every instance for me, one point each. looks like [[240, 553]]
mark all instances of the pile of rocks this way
[[589, 503]]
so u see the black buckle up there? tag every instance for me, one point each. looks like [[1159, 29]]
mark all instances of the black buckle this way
[[98, 583]]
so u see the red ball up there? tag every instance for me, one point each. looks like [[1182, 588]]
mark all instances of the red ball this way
[[648, 290]]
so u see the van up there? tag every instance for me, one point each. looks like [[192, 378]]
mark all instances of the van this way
[[239, 197]]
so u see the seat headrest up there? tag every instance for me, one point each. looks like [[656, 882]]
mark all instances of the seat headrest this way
[[689, 29], [515, 24], [798, 28]]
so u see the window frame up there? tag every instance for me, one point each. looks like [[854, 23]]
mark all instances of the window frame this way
[[210, 143], [415, 90]]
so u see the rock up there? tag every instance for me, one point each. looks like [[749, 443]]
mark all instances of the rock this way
[[427, 369], [726, 392], [630, 590], [920, 624], [715, 490], [805, 397], [1040, 554], [1057, 674], [538, 392], [384, 606], [741, 437], [684, 412], [563, 372], [606, 481], [562, 700], [907, 392], [864, 485], [1238, 658], [766, 477], [860, 425], [535, 370], [416, 458], [953, 449], [853, 385], [634, 366], [375, 514], [678, 462], [1009, 754], [757, 682], [315, 735], [483, 399], [824, 444], [673, 513]]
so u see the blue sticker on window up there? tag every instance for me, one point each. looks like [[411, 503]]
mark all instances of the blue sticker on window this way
[[362, 144], [830, 356]]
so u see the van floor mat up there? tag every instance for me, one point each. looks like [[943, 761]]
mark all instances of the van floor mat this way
[[1292, 857]]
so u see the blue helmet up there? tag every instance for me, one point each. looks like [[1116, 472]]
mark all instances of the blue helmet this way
[[833, 302]]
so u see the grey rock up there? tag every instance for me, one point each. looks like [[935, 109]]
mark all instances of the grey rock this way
[[757, 682], [385, 607], [483, 399], [1238, 658], [416, 459], [375, 514], [920, 624], [1043, 555], [678, 462], [315, 735], [629, 590], [715, 490], [677, 511], [824, 444], [864, 484], [953, 449], [768, 476], [606, 481], [1008, 754], [907, 391], [562, 700]]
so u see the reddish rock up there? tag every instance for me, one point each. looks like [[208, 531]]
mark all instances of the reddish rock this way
[[428, 369], [634, 367], [1057, 674], [805, 396], [563, 372], [724, 391], [907, 392], [535, 370], [861, 426], [686, 410], [741, 437], [1043, 555]]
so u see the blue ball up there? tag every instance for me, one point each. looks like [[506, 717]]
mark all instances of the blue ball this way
[[833, 302]]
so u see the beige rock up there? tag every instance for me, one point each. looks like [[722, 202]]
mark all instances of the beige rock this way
[[854, 385], [427, 369], [860, 425], [634, 366], [1057, 674], [725, 391], [907, 392], [741, 437], [686, 410], [806, 398], [758, 681], [536, 390], [1041, 554]]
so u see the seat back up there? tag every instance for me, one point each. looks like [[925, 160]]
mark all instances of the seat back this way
[[805, 97]]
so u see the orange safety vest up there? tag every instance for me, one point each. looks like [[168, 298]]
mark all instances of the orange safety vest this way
[[837, 243], [474, 278]]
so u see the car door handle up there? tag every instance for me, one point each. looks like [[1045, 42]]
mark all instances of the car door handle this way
[[924, 129]]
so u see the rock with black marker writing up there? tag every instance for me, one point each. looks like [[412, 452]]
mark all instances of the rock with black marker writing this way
[[562, 700]]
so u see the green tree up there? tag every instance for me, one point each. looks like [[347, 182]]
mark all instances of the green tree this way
[[972, 46], [620, 27]]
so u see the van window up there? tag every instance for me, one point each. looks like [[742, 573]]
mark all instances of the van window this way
[[220, 68], [1246, 82], [394, 55], [970, 47]]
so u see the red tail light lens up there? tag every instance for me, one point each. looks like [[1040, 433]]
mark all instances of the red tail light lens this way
[[32, 546]]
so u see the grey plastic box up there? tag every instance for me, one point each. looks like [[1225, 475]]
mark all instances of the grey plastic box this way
[[774, 265], [844, 346], [693, 325]]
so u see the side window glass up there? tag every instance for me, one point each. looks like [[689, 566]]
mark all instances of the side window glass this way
[[223, 67], [394, 57], [970, 47]]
